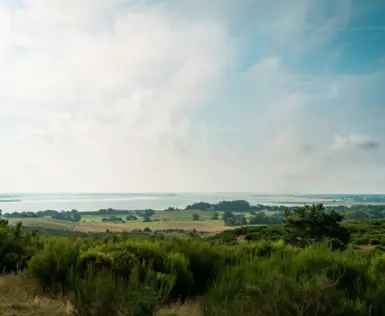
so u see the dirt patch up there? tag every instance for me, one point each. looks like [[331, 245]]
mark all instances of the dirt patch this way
[[102, 227]]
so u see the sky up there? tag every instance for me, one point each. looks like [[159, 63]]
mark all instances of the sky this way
[[192, 96]]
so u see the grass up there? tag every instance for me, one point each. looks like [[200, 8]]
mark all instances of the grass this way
[[163, 220], [160, 215], [207, 226], [186, 309], [17, 298], [43, 223]]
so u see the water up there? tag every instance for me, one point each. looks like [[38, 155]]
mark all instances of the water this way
[[157, 201]]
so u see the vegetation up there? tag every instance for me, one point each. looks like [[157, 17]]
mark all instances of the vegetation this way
[[309, 265], [72, 216], [113, 219], [211, 216], [195, 217]]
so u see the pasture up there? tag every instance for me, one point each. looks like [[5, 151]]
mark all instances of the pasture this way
[[162, 220]]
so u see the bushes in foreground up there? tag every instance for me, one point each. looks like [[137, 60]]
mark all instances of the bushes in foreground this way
[[136, 275], [312, 281], [101, 292], [262, 278]]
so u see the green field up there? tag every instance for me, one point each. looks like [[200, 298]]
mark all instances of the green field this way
[[46, 223], [162, 220], [160, 216]]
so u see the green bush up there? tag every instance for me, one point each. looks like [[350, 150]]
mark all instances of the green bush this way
[[16, 247], [313, 281], [122, 257], [101, 292], [51, 266]]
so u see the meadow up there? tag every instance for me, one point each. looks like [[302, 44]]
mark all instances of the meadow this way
[[162, 220]]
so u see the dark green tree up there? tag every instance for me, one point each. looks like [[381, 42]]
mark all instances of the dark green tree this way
[[149, 212], [215, 216], [229, 218], [312, 223], [195, 217], [147, 218]]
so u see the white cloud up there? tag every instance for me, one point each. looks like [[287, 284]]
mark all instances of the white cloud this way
[[141, 96]]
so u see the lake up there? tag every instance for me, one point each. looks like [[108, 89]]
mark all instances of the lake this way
[[157, 201]]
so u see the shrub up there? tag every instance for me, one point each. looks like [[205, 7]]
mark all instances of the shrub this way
[[255, 290], [51, 266], [122, 258], [16, 247], [101, 292], [313, 281]]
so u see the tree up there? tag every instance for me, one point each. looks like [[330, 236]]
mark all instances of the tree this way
[[147, 218], [229, 218], [76, 217], [131, 217], [234, 220], [215, 216], [260, 218], [312, 223], [199, 206], [149, 212], [195, 217], [234, 206], [240, 220]]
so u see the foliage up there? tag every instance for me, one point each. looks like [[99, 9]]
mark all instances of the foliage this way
[[199, 206], [131, 218], [16, 247], [72, 216], [313, 281], [50, 267], [114, 219], [195, 217], [215, 216], [101, 293], [262, 218], [284, 269], [231, 219], [309, 224]]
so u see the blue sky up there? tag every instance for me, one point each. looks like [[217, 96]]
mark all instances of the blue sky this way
[[219, 95]]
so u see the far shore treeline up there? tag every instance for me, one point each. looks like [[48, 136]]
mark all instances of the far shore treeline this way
[[234, 213]]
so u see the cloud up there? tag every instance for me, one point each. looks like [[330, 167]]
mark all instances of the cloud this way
[[175, 96], [354, 141]]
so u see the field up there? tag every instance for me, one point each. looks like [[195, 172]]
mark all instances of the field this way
[[162, 220], [161, 216], [46, 223]]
